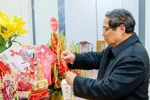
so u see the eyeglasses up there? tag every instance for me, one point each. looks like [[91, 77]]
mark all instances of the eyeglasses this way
[[106, 29]]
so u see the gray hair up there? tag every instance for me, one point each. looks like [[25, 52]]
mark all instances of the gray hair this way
[[121, 16]]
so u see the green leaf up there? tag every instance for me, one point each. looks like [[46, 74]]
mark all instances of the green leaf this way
[[2, 48]]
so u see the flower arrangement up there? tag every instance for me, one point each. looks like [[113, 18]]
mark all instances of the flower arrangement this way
[[57, 44], [10, 29]]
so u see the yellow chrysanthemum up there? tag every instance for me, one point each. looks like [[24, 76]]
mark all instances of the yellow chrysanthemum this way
[[10, 28], [3, 16], [20, 23]]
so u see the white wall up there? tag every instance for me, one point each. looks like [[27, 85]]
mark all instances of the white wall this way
[[80, 16], [44, 10], [20, 8], [147, 28]]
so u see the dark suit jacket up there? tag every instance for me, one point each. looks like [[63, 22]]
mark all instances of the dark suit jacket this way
[[126, 77]]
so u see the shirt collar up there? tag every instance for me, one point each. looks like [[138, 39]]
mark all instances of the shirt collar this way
[[118, 49]]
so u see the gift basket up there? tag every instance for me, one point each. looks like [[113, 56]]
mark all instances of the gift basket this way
[[8, 83], [31, 66]]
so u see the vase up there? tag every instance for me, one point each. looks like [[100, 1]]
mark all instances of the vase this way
[[55, 96]]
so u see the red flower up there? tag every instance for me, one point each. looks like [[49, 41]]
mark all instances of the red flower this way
[[57, 45]]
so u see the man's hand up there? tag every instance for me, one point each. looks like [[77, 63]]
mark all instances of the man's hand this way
[[68, 56], [69, 76]]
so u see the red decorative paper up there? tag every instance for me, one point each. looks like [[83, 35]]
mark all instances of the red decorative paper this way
[[4, 69], [24, 86], [38, 95], [46, 57]]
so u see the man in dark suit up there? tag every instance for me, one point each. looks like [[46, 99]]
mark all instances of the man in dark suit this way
[[123, 66]]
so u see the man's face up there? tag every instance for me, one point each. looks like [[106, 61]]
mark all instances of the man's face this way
[[112, 37]]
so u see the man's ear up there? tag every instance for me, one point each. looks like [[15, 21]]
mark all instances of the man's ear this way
[[122, 28]]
